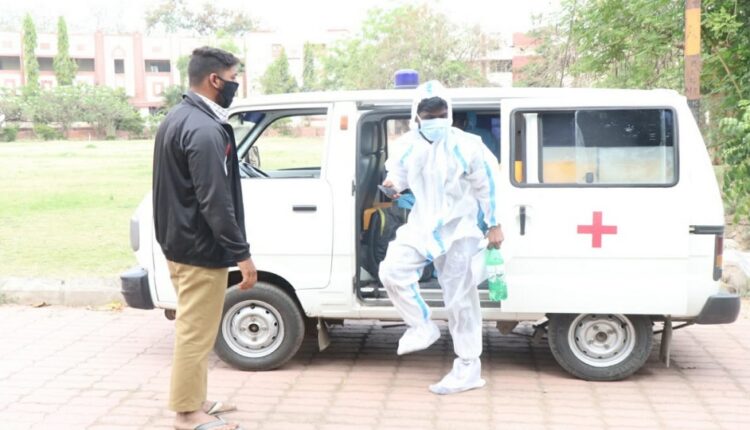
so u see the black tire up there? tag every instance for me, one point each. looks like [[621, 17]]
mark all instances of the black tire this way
[[577, 349], [261, 328]]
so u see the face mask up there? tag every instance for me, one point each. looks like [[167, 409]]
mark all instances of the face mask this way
[[434, 130], [227, 92]]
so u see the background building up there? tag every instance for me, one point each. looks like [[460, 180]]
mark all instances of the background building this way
[[144, 66]]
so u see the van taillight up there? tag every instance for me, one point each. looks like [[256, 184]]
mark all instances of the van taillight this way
[[718, 255]]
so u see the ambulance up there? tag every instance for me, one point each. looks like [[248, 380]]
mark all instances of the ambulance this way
[[611, 211]]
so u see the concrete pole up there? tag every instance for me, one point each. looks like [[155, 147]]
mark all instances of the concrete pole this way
[[693, 57]]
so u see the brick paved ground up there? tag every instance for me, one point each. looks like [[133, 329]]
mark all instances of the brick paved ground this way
[[66, 368]]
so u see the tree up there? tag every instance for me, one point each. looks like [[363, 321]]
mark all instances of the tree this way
[[107, 110], [309, 72], [61, 105], [277, 78], [11, 105], [613, 43], [725, 78], [172, 96], [65, 67], [182, 67], [174, 15], [639, 44], [409, 36], [554, 52], [31, 64], [736, 153]]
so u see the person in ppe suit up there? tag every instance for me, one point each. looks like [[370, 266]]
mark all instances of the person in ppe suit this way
[[452, 176]]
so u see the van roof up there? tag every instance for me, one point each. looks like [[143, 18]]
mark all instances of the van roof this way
[[458, 95]]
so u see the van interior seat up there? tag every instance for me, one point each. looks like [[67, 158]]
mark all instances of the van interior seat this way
[[371, 152]]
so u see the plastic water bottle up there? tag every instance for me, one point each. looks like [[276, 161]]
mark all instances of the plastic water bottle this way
[[496, 269]]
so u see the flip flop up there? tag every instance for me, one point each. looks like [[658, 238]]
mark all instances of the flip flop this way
[[213, 425], [221, 408]]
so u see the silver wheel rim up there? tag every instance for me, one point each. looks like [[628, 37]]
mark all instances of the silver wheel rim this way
[[253, 328], [601, 340]]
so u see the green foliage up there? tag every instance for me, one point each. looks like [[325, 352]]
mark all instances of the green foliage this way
[[47, 132], [277, 78], [640, 44], [182, 67], [172, 96], [65, 67], [309, 72], [11, 104], [31, 65], [408, 36], [176, 15], [153, 122], [725, 78], [611, 43], [107, 110], [9, 133], [61, 105], [630, 43], [736, 154]]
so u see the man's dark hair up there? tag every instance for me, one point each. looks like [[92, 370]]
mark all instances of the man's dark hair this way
[[433, 104], [207, 60]]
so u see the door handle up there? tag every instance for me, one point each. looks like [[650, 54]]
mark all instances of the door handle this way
[[304, 208], [522, 219]]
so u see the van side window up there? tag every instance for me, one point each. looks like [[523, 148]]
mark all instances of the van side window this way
[[622, 147], [291, 147]]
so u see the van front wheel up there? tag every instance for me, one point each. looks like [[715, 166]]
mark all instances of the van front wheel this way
[[600, 347], [261, 328]]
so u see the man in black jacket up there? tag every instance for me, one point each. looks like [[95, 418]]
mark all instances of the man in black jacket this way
[[199, 223]]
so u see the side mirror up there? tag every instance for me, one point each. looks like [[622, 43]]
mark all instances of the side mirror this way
[[252, 157]]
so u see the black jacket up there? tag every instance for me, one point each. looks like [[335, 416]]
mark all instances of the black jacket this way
[[197, 197]]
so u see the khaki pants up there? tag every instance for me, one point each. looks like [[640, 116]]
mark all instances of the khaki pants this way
[[200, 299]]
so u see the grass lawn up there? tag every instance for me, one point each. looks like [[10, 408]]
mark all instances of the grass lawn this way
[[65, 206]]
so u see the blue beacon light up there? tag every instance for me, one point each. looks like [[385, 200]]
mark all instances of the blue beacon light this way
[[406, 78]]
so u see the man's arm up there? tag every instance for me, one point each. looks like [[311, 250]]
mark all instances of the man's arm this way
[[205, 150], [483, 172], [395, 166]]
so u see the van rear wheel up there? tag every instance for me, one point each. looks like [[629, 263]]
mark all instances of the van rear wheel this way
[[600, 347], [261, 328]]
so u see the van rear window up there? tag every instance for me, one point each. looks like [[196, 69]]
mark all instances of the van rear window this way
[[595, 147]]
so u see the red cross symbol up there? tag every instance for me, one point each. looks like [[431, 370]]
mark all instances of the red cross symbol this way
[[596, 230]]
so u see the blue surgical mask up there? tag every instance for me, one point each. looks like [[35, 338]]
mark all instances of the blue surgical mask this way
[[434, 130]]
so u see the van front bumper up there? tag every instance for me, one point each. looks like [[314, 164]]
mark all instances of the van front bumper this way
[[135, 288], [722, 308]]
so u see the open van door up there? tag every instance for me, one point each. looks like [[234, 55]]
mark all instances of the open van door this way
[[594, 210]]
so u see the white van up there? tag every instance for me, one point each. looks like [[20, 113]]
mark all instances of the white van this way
[[612, 217]]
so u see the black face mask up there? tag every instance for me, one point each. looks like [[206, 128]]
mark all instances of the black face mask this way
[[227, 92]]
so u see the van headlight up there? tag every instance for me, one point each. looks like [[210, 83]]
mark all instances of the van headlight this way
[[135, 238]]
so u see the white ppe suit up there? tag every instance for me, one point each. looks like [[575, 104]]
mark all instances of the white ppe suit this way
[[451, 179]]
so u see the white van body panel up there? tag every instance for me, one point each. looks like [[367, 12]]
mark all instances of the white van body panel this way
[[652, 265]]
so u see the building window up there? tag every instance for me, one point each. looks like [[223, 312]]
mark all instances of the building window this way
[[119, 67], [501, 66], [85, 64], [10, 63], [158, 66], [46, 64]]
